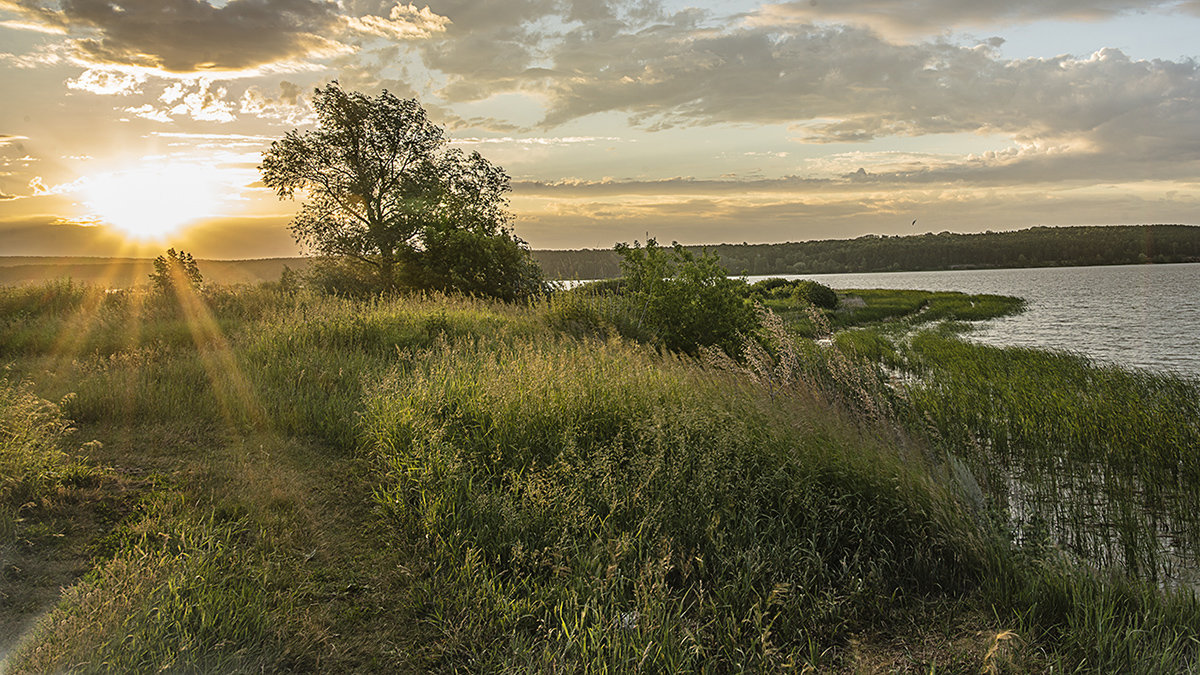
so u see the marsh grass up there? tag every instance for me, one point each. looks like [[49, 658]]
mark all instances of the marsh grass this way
[[1099, 459], [1087, 471]]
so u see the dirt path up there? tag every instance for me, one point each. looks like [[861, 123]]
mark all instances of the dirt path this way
[[340, 578]]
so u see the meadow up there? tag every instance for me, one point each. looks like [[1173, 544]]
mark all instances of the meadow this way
[[263, 479]]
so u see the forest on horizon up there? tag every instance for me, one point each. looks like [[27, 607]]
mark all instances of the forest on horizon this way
[[1033, 247]]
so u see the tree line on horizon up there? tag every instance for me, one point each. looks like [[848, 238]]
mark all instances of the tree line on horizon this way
[[1033, 247]]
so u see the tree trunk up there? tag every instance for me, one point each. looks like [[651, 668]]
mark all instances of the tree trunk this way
[[387, 271]]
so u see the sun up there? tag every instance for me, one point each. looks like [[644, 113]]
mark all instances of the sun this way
[[152, 202]]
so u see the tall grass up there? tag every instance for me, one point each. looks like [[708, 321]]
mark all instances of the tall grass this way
[[1098, 459], [575, 501], [33, 458], [591, 504], [1054, 507]]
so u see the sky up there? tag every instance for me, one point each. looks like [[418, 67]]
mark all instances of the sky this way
[[127, 126]]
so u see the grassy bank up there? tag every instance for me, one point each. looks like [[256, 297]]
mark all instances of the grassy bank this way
[[299, 482]]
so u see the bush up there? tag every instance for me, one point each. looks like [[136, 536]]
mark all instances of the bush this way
[[685, 300], [475, 262], [800, 290], [815, 294], [344, 277]]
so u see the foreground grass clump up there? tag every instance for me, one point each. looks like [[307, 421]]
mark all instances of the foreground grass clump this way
[[33, 458], [180, 596], [589, 504]]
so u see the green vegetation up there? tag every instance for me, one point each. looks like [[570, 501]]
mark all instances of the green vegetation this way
[[803, 291], [1097, 459], [33, 458], [175, 269], [382, 192], [1034, 247], [289, 481]]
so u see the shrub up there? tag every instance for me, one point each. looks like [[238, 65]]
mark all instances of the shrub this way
[[814, 293], [687, 301], [344, 277], [478, 263]]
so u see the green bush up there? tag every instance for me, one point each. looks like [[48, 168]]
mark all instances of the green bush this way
[[814, 293], [476, 262], [344, 277], [686, 301], [799, 290]]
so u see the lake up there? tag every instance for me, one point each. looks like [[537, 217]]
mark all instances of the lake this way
[[1145, 316]]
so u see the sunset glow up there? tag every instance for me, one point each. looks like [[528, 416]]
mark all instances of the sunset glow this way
[[152, 203]]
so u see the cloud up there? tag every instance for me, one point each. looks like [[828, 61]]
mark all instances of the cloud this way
[[196, 99], [187, 36], [848, 85], [217, 140], [681, 185], [290, 106], [108, 82], [536, 140], [908, 18], [151, 113], [39, 188], [404, 22]]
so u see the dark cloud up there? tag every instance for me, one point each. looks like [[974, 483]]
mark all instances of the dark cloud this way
[[847, 85], [190, 35]]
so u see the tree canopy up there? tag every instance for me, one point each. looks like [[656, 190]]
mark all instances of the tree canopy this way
[[382, 189]]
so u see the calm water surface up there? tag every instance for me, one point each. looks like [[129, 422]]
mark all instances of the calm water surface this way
[[1145, 316]]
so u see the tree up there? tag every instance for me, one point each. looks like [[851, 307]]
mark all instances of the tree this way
[[382, 189], [173, 270]]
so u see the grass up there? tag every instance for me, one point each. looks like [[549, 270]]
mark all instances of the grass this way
[[33, 457], [561, 486], [894, 309], [299, 482], [1099, 459]]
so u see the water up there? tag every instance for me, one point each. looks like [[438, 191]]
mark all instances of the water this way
[[1145, 316]]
